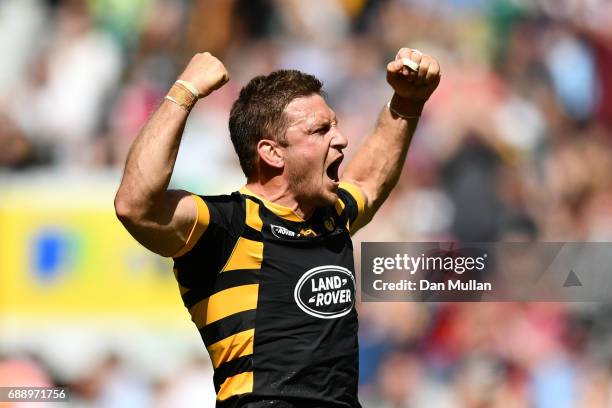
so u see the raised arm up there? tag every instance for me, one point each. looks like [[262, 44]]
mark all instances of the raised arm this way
[[158, 218], [378, 163]]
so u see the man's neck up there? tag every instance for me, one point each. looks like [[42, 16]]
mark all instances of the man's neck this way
[[279, 193]]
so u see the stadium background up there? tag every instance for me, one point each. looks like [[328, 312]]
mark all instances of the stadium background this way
[[515, 145]]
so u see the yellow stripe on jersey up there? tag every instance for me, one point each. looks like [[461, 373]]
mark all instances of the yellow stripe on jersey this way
[[339, 206], [199, 226], [252, 215], [234, 346], [236, 385], [247, 254], [356, 193], [224, 303]]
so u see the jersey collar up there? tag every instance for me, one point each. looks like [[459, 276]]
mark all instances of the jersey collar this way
[[280, 210]]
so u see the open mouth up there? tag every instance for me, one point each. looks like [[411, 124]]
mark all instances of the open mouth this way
[[333, 169]]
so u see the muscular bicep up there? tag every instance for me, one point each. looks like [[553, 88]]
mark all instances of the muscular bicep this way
[[171, 227]]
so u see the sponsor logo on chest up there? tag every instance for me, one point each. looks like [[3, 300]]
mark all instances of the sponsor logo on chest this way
[[326, 292], [282, 232]]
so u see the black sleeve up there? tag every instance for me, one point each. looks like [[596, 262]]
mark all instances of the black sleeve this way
[[352, 205], [221, 226]]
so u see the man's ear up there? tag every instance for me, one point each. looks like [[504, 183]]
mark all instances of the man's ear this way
[[270, 152]]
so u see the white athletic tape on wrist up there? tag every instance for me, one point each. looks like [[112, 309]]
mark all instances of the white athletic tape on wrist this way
[[410, 64], [396, 113], [189, 86]]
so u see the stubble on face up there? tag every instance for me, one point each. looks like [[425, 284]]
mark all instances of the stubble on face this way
[[308, 151]]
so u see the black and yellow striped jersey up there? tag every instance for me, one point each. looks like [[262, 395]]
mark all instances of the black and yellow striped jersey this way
[[273, 297]]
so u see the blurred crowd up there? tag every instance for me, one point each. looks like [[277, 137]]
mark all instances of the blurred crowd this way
[[516, 144]]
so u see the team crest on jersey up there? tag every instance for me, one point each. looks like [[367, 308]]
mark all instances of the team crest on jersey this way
[[282, 232], [329, 224], [326, 292]]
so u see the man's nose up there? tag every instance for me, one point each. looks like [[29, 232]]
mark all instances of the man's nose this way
[[339, 140]]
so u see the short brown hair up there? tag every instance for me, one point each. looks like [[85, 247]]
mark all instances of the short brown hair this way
[[258, 111]]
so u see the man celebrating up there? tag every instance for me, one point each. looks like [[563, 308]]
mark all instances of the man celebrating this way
[[267, 272]]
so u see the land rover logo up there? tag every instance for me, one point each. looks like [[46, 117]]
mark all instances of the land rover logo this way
[[326, 291], [280, 232]]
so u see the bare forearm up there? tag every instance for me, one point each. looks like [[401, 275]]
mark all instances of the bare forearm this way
[[151, 159], [149, 165], [160, 219], [378, 163]]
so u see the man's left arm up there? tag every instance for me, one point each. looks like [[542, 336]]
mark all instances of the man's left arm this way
[[378, 163]]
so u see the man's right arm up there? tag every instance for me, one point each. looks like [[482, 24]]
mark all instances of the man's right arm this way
[[158, 218]]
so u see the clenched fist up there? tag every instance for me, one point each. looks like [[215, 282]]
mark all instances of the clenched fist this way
[[408, 84], [206, 73]]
